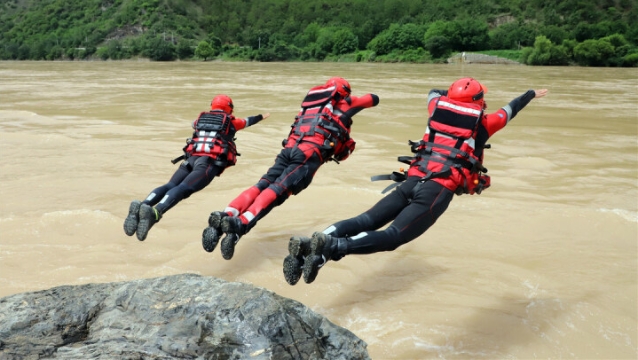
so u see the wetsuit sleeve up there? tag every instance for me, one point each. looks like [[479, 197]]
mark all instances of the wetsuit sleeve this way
[[496, 121], [518, 104], [435, 93], [354, 104], [249, 121]]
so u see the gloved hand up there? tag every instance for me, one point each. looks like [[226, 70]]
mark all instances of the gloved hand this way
[[348, 148], [484, 183]]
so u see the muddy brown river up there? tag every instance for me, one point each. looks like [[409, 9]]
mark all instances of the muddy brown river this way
[[541, 265]]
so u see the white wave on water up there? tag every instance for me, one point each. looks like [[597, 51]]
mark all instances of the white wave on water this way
[[65, 213], [9, 218], [625, 214], [449, 350]]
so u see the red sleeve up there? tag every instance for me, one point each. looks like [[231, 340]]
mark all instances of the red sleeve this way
[[351, 105], [365, 101], [432, 105], [495, 121], [238, 123]]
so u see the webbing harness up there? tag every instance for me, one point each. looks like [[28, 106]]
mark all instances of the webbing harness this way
[[455, 121], [315, 117], [213, 129]]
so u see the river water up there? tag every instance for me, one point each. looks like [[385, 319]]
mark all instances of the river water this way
[[541, 265]]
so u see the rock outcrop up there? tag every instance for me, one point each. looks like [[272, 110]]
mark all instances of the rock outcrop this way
[[474, 58], [183, 316]]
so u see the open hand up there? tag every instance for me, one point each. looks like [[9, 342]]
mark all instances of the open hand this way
[[540, 93]]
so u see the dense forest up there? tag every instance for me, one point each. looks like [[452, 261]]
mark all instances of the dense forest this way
[[534, 32]]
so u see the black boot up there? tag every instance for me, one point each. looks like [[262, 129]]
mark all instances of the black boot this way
[[130, 223], [298, 249], [228, 245], [323, 247], [148, 217], [211, 235], [234, 229]]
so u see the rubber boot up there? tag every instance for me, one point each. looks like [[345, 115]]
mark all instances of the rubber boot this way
[[298, 250], [234, 229], [130, 223], [211, 235], [148, 217], [323, 247]]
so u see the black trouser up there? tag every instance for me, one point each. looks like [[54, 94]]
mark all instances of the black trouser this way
[[193, 175], [292, 172], [413, 207]]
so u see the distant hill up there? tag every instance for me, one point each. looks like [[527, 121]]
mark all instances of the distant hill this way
[[316, 30]]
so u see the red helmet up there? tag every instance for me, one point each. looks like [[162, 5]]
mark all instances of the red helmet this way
[[467, 90], [343, 87], [223, 103]]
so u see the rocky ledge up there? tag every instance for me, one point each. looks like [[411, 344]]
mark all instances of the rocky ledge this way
[[183, 316]]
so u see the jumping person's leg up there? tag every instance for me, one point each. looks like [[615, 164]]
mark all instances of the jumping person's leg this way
[[384, 211], [429, 201], [212, 234], [302, 166], [132, 220], [202, 172]]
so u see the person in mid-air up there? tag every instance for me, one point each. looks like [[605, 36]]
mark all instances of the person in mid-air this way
[[206, 155], [447, 161], [320, 132]]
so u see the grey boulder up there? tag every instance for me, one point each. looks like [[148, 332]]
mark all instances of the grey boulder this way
[[183, 316]]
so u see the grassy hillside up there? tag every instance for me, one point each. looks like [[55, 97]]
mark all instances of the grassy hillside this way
[[267, 30]]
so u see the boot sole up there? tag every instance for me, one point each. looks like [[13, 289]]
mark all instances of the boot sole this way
[[210, 238], [227, 226], [314, 260], [293, 263], [215, 219], [144, 224], [132, 219], [228, 246]]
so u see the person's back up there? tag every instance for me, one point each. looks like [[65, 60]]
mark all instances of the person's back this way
[[448, 160], [321, 132], [209, 151]]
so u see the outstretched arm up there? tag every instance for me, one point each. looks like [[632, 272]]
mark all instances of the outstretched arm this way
[[352, 105], [520, 102], [252, 120], [496, 121], [249, 121]]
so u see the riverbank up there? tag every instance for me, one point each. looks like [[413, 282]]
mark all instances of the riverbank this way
[[476, 58]]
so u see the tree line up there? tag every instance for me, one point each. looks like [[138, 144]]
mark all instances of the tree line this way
[[535, 32]]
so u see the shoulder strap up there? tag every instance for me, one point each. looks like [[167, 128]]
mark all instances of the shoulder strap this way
[[319, 96]]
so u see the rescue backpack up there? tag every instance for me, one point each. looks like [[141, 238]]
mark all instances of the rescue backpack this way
[[317, 123]]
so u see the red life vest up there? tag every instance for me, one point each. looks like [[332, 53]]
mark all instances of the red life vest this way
[[449, 143], [214, 136], [316, 122]]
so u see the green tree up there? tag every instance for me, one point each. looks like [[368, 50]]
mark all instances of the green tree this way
[[204, 50], [438, 46], [214, 41], [398, 37], [541, 53], [184, 49], [545, 52], [512, 35], [593, 52], [114, 50], [157, 49], [461, 35], [102, 53], [344, 41]]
